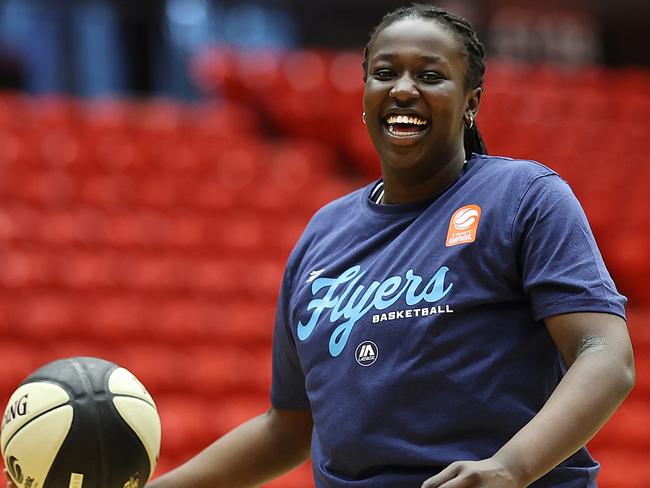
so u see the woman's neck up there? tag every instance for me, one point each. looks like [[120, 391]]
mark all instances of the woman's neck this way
[[409, 187]]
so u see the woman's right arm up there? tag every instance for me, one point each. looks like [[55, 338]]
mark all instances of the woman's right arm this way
[[257, 451]]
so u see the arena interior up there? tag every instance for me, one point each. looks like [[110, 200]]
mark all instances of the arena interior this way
[[152, 230]]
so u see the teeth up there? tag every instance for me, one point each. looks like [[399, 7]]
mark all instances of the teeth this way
[[402, 132], [405, 119]]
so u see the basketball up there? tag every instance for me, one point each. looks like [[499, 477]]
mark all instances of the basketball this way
[[80, 423]]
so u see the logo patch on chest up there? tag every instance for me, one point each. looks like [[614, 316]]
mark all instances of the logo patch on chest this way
[[463, 225], [366, 353]]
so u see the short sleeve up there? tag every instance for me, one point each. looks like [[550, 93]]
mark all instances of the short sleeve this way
[[288, 381], [562, 268]]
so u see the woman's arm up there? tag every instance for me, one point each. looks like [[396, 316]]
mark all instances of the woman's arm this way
[[261, 449], [257, 451], [597, 351]]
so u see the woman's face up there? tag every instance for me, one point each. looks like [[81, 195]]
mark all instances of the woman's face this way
[[415, 96]]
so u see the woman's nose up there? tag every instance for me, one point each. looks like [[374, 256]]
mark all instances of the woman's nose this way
[[404, 89]]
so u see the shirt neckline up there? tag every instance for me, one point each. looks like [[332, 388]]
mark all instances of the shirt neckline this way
[[411, 208]]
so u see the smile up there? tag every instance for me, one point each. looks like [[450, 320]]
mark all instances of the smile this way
[[405, 128]]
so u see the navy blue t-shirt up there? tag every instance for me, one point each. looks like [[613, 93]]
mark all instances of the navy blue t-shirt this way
[[415, 332]]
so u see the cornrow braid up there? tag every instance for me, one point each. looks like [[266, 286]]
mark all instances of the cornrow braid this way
[[474, 50]]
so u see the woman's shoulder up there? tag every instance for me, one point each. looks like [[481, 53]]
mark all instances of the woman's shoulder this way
[[339, 212], [502, 166], [344, 206], [513, 174]]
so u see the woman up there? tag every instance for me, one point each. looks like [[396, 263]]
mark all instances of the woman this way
[[452, 325]]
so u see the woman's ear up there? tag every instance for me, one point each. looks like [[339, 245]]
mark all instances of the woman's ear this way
[[474, 101]]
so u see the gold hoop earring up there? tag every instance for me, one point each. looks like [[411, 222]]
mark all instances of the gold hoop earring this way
[[469, 121], [363, 117]]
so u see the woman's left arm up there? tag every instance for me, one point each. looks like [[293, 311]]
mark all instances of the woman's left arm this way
[[597, 351]]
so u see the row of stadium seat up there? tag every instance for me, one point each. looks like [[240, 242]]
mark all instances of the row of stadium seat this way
[[336, 76], [234, 165], [324, 101], [153, 119], [157, 319], [123, 135], [119, 193], [226, 233], [154, 233], [140, 273]]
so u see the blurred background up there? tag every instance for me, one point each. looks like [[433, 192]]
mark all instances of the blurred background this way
[[159, 159]]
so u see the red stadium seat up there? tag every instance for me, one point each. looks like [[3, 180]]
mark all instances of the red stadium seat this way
[[45, 317], [13, 109], [159, 192], [208, 196], [243, 233], [87, 270], [181, 321], [53, 111], [19, 359], [230, 412], [113, 319], [186, 424], [108, 192], [216, 276], [629, 427], [237, 168], [160, 367], [24, 269], [226, 121], [623, 468], [20, 223], [115, 153], [186, 230], [73, 346], [359, 148], [638, 320], [15, 152], [159, 120], [258, 73], [159, 274], [218, 370], [247, 323], [642, 364]]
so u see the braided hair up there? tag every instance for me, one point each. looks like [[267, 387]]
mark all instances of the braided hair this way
[[474, 50]]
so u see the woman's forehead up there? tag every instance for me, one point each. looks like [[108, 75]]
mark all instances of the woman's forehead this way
[[428, 37]]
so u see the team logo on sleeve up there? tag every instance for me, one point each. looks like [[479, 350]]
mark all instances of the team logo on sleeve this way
[[463, 225]]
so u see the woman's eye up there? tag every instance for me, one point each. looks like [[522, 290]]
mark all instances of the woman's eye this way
[[431, 77], [383, 74]]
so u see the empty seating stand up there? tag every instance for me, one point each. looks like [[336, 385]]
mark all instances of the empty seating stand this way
[[154, 233]]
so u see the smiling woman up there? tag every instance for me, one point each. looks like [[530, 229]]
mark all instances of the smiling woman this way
[[450, 325], [423, 71], [433, 85]]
